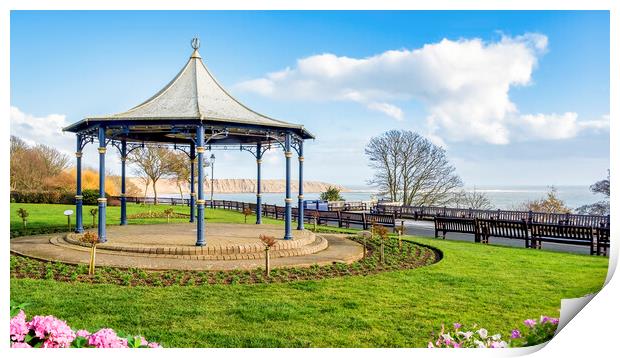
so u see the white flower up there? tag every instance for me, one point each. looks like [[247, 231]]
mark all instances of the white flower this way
[[446, 337], [483, 333], [479, 344], [467, 334], [496, 337]]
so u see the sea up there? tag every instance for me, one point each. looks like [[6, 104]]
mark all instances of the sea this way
[[501, 197]]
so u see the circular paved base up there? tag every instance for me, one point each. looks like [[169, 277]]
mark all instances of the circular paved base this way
[[172, 246], [223, 241]]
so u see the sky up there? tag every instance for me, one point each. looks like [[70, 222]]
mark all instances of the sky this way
[[515, 97]]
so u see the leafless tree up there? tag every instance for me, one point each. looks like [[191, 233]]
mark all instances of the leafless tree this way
[[151, 164], [383, 155], [34, 167], [411, 169], [54, 160], [472, 200], [180, 168]]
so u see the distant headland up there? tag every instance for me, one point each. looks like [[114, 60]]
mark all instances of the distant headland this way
[[233, 186]]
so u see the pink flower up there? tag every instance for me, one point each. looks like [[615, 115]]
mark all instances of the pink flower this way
[[530, 322], [501, 344], [154, 345], [19, 328], [431, 345], [106, 338], [543, 319], [82, 333], [20, 345], [457, 325], [554, 321], [56, 333], [515, 334]]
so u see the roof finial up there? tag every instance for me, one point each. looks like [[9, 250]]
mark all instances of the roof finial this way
[[195, 43]]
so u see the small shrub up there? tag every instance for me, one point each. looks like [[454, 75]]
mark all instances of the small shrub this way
[[268, 241], [246, 212], [93, 212], [23, 214]]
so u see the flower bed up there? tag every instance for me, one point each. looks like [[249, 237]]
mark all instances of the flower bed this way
[[410, 256], [531, 334], [157, 215], [51, 332]]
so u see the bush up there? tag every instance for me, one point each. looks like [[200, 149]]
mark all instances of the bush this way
[[42, 197], [90, 196], [51, 332]]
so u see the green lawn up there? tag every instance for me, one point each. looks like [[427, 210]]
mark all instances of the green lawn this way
[[43, 215], [495, 287]]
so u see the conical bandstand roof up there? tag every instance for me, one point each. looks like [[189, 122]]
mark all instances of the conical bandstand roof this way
[[194, 95]]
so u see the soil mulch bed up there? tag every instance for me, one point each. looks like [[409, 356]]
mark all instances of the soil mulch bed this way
[[410, 256]]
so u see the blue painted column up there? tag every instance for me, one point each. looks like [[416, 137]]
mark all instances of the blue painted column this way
[[123, 183], [192, 195], [300, 197], [200, 203], [287, 201], [102, 201], [259, 200], [79, 225]]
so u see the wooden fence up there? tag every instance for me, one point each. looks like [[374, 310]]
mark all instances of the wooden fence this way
[[429, 213]]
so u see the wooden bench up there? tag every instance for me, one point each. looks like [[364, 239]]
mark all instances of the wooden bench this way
[[328, 217], [562, 234], [461, 225], [387, 220], [509, 229], [269, 211], [602, 240], [280, 210], [348, 218]]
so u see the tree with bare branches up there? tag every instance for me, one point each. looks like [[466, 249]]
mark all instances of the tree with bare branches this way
[[472, 200], [36, 167], [411, 169], [180, 170], [151, 164]]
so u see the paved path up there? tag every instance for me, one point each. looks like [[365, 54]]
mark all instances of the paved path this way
[[339, 250], [427, 228]]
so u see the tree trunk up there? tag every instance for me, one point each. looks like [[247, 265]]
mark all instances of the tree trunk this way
[[146, 189], [267, 267], [154, 192]]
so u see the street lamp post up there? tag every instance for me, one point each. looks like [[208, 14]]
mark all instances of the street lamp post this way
[[212, 162]]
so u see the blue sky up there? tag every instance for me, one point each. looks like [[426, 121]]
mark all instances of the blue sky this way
[[543, 120]]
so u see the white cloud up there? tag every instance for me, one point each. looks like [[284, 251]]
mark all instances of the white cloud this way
[[387, 109], [559, 126], [464, 84], [44, 130], [48, 130]]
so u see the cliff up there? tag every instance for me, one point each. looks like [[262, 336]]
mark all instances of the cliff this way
[[228, 186]]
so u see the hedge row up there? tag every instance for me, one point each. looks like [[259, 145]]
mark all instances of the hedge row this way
[[43, 230], [55, 197]]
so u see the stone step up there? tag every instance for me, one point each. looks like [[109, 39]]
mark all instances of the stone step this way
[[318, 244], [231, 249]]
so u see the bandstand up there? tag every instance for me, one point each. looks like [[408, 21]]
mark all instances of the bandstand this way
[[193, 113]]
